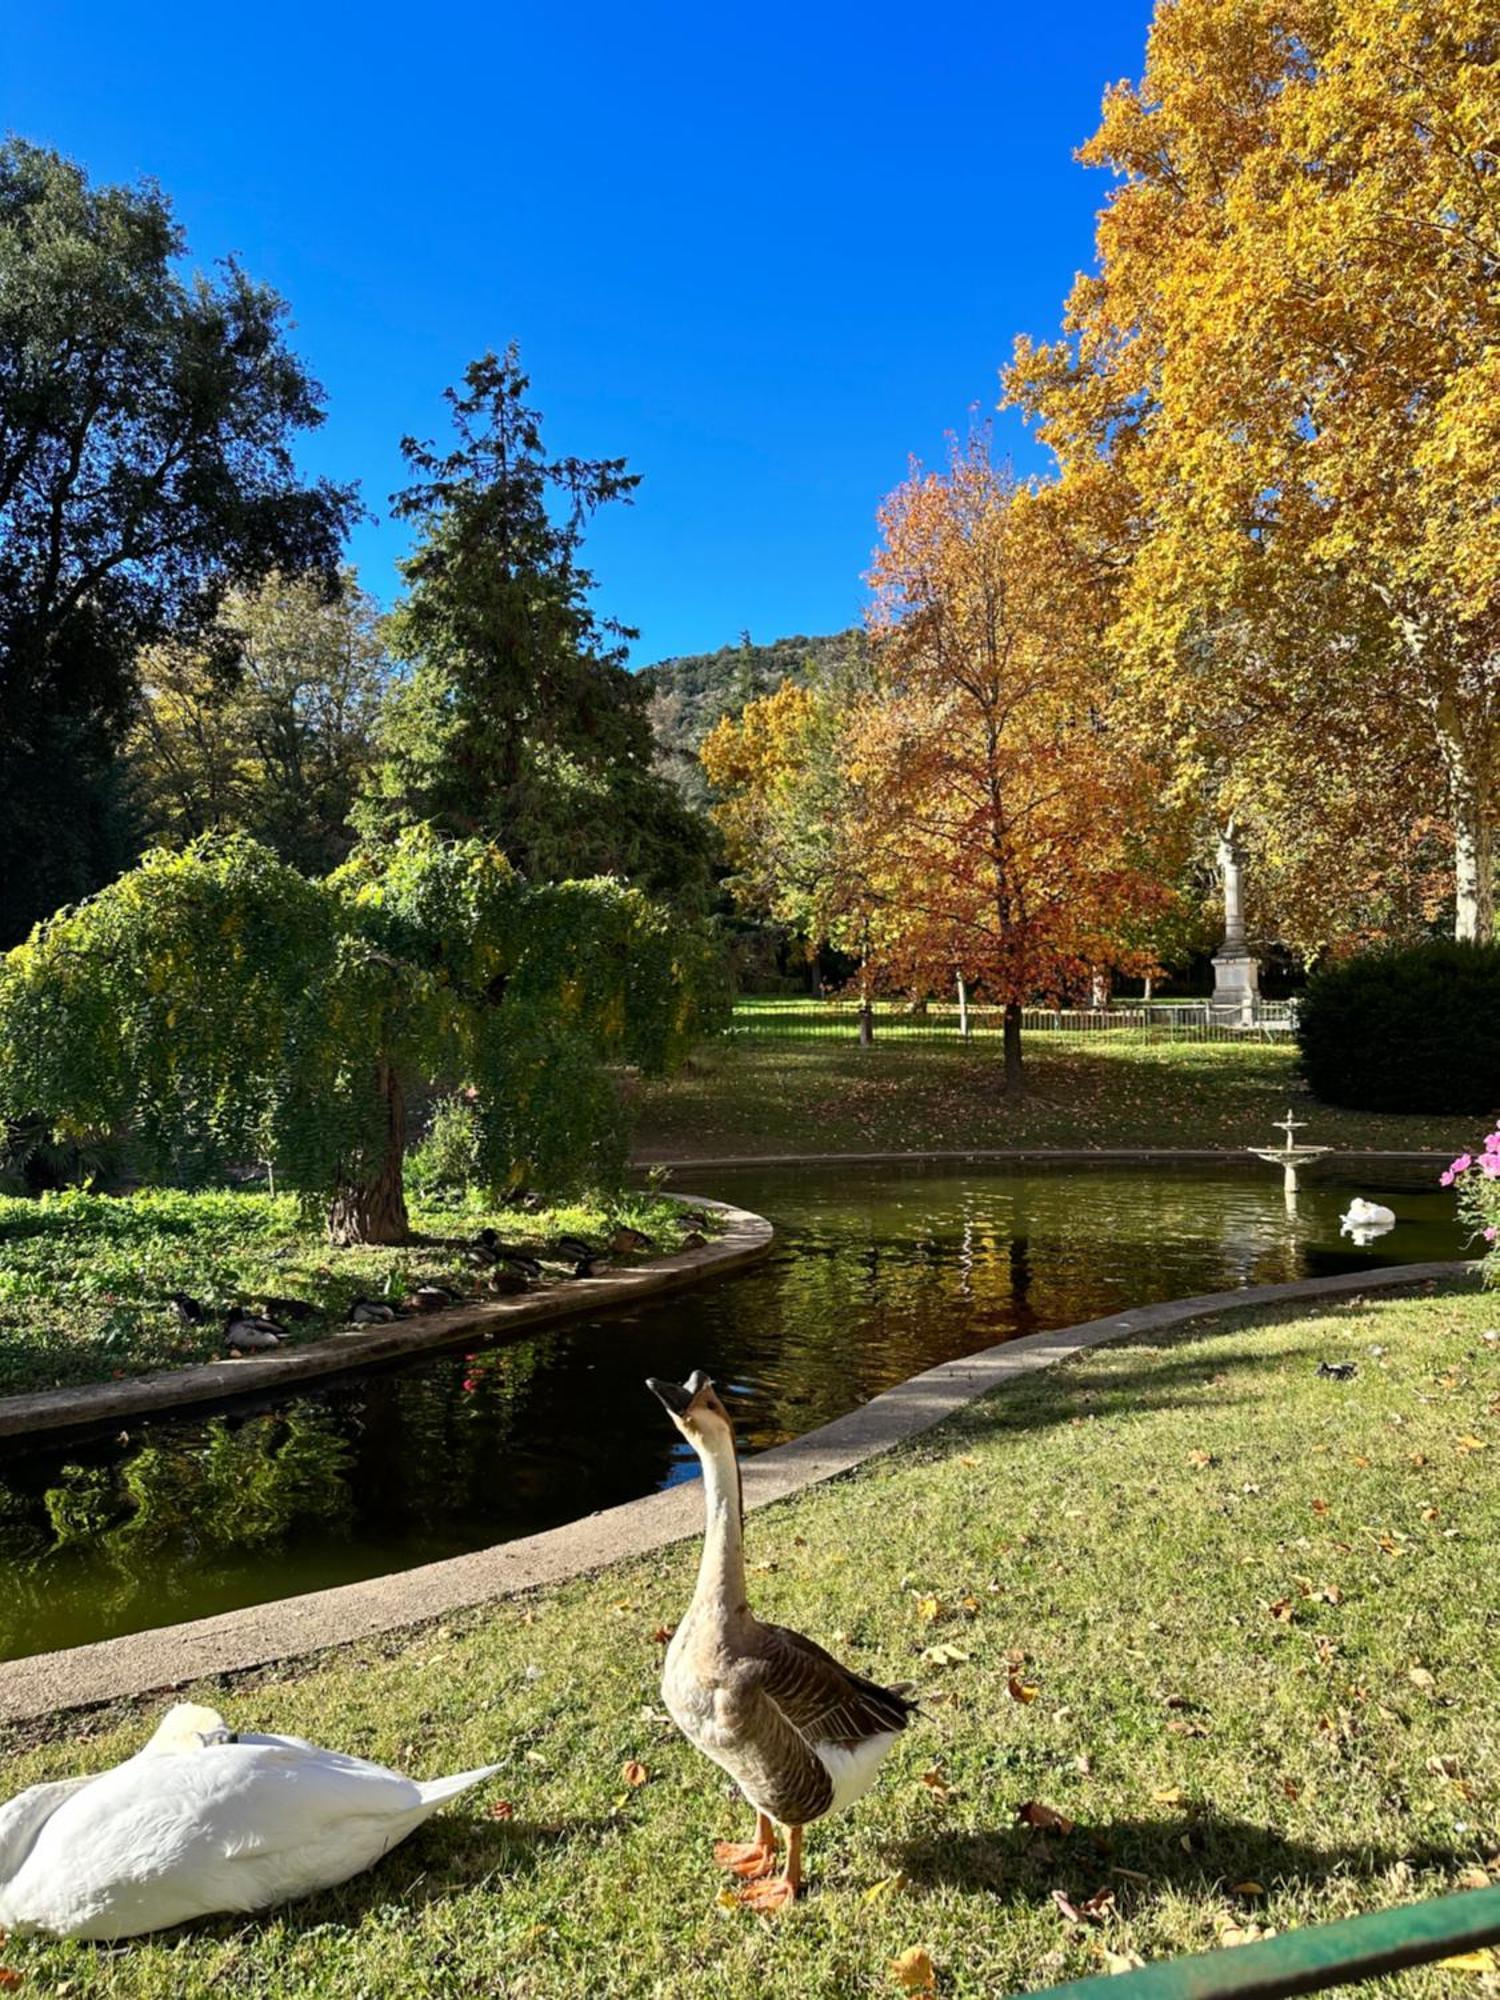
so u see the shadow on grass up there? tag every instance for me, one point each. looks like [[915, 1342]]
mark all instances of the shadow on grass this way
[[443, 1860], [1141, 1857]]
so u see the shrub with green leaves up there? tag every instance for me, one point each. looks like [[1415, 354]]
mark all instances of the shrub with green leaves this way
[[1416, 1029], [221, 1007]]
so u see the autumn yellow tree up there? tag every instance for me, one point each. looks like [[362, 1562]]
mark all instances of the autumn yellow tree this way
[[786, 802], [1284, 374], [1005, 821]]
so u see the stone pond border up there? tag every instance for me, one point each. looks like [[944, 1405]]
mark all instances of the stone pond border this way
[[260, 1635], [745, 1238]]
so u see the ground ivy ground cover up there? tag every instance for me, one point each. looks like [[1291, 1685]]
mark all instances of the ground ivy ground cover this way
[[85, 1280]]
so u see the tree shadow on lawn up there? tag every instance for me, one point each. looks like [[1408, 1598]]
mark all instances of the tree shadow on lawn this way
[[1139, 1858]]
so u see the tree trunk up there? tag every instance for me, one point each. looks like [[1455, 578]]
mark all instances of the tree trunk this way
[[963, 1007], [374, 1211], [1474, 868], [1148, 987], [1471, 806], [866, 1024], [1013, 1083]]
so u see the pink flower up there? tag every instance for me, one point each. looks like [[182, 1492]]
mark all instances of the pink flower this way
[[1460, 1166], [1490, 1234]]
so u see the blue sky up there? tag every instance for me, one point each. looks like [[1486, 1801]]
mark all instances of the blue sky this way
[[764, 253]]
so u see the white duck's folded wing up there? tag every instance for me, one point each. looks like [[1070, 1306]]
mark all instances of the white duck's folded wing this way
[[227, 1829]]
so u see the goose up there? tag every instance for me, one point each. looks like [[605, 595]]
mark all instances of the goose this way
[[249, 1333], [1362, 1215], [800, 1734], [191, 1311], [204, 1821]]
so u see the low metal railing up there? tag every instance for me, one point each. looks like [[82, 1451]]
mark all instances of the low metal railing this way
[[1309, 1958], [839, 1020]]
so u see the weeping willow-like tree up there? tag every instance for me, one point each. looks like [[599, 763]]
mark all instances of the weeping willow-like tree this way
[[222, 1007]]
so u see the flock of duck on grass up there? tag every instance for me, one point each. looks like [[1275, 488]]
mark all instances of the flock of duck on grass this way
[[209, 1821], [499, 1270]]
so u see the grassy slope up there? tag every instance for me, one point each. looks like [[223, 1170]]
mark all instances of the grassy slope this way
[[1154, 1532], [1085, 1091], [84, 1279]]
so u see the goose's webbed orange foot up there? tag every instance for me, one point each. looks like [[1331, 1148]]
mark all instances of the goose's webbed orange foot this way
[[745, 1857], [773, 1894]]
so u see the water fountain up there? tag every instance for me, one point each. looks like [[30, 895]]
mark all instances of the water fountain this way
[[1289, 1156]]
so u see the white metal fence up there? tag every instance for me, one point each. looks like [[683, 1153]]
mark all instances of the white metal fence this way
[[1160, 1021]]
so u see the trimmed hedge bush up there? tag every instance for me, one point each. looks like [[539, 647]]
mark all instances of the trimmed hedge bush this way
[[1410, 1030]]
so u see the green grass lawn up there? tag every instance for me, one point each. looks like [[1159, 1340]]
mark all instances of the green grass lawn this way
[[1256, 1608], [85, 1279], [1084, 1090]]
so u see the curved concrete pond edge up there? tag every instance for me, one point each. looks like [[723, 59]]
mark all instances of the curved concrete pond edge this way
[[152, 1662], [1241, 1155], [746, 1237]]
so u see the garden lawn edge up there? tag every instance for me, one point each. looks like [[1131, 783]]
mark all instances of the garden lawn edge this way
[[746, 1237], [148, 1662]]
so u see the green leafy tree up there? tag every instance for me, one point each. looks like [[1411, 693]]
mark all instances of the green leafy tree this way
[[222, 1007], [146, 428], [519, 721], [276, 744]]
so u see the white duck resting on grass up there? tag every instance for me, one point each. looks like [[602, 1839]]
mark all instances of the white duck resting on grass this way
[[800, 1734], [202, 1822]]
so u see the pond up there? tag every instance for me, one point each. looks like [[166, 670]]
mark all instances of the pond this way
[[877, 1273]]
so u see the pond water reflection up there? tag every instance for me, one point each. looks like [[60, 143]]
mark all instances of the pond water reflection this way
[[877, 1274]]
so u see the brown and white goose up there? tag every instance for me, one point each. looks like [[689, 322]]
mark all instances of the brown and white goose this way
[[800, 1735]]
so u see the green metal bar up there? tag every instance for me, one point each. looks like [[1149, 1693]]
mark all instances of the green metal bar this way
[[1307, 1959]]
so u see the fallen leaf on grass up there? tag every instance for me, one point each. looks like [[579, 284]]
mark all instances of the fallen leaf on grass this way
[[1320, 1506], [936, 1783], [1420, 1678], [944, 1656], [1231, 1934], [1471, 1443], [1283, 1611], [663, 1634], [1170, 1795], [1044, 1818], [1445, 1767], [10, 1980], [878, 1892], [929, 1609], [1472, 1961], [502, 1809], [632, 1773], [1200, 1458], [1092, 1910], [1472, 1878], [1120, 1961], [728, 1900], [1290, 1788], [1182, 1727], [1021, 1690], [1249, 1889], [914, 1972]]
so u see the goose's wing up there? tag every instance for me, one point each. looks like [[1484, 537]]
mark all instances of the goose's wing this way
[[823, 1700]]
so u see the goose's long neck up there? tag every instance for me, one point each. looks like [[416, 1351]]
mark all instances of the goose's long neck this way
[[721, 1573]]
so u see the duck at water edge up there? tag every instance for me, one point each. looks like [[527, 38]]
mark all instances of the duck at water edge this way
[[800, 1734], [202, 1822]]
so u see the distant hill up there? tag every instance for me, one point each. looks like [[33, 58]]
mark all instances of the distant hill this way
[[689, 694]]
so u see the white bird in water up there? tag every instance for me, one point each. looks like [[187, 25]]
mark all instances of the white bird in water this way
[[1365, 1220], [203, 1822]]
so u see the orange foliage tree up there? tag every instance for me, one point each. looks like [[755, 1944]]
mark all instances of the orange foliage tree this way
[[1285, 371], [1006, 822]]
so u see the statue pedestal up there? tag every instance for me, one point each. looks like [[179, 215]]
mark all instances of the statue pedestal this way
[[1236, 986]]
